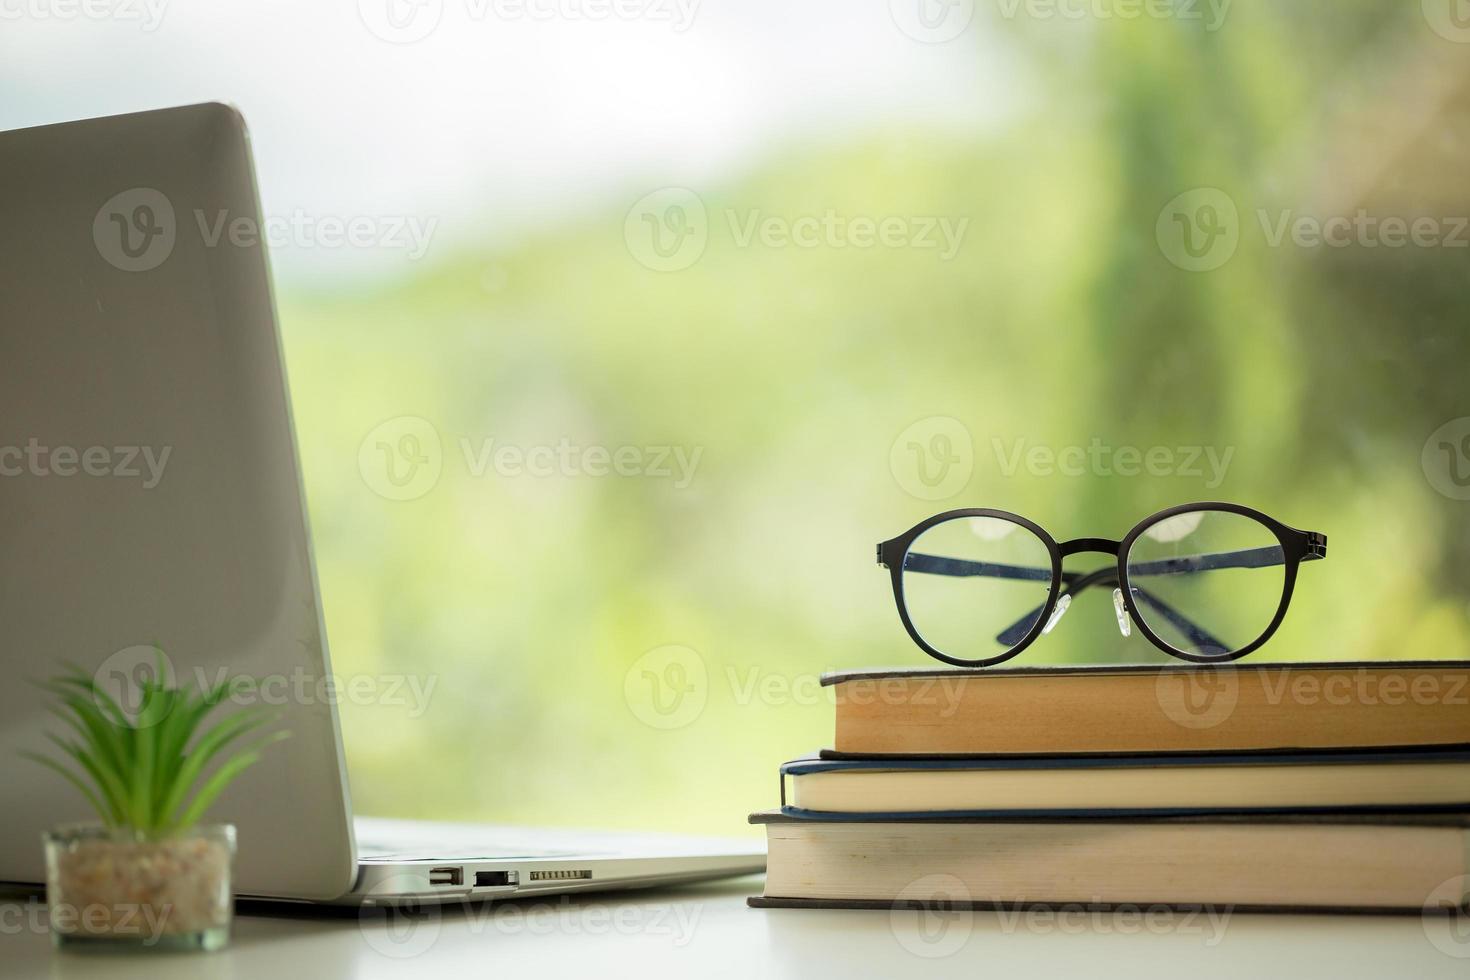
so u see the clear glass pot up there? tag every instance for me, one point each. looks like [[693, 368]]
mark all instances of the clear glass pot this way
[[120, 889]]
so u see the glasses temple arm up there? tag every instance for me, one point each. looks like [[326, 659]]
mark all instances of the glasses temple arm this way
[[1248, 558], [1077, 583], [1197, 634], [1180, 565], [1202, 638], [966, 568]]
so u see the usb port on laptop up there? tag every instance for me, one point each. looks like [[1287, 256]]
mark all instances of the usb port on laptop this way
[[446, 876]]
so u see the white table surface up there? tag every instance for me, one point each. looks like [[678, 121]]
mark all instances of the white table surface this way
[[707, 931]]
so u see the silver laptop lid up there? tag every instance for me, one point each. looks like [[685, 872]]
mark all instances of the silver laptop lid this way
[[149, 486]]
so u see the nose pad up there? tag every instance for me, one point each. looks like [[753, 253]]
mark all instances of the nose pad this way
[[1125, 625], [1063, 604]]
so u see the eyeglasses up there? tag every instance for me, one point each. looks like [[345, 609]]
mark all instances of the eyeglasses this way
[[1207, 583]]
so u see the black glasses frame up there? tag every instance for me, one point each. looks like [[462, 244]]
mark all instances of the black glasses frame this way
[[1296, 547]]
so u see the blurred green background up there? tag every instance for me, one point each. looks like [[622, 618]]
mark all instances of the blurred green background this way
[[813, 379]]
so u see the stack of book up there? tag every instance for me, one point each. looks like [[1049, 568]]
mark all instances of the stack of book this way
[[1323, 787]]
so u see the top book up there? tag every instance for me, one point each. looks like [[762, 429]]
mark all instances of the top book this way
[[1123, 710]]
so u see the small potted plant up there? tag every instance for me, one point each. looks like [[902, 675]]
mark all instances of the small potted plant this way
[[147, 874]]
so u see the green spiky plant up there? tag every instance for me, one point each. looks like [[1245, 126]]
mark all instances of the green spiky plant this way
[[147, 773]]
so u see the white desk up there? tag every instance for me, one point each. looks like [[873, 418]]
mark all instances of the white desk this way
[[707, 931]]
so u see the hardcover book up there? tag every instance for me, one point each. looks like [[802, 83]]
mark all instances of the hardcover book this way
[[881, 789], [1389, 863], [1270, 707]]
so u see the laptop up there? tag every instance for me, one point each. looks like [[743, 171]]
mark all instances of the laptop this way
[[150, 493]]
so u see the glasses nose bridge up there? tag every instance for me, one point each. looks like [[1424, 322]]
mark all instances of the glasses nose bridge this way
[[1081, 546]]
